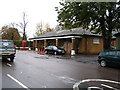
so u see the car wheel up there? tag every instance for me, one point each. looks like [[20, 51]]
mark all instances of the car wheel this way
[[103, 63], [12, 59], [55, 53]]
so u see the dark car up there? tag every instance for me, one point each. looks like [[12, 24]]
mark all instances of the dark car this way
[[109, 58], [7, 49], [54, 50]]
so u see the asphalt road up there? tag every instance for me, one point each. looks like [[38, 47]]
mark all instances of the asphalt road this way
[[31, 70]]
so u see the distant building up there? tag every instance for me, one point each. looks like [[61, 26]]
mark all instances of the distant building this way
[[74, 41]]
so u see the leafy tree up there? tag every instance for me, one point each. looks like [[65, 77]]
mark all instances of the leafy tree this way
[[10, 33], [39, 30], [42, 29], [100, 17], [57, 28], [47, 28]]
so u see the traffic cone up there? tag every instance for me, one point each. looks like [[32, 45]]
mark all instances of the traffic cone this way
[[39, 51], [42, 51]]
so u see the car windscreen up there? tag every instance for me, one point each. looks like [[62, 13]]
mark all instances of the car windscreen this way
[[6, 44], [54, 47]]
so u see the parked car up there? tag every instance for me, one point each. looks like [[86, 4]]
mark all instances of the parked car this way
[[109, 58], [54, 50], [113, 48], [7, 49]]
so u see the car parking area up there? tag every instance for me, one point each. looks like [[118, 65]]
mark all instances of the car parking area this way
[[33, 70]]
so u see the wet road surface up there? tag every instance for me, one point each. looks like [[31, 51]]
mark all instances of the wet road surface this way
[[31, 70]]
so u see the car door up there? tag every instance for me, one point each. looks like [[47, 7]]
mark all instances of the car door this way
[[111, 57], [114, 57], [52, 50], [49, 49], [117, 61]]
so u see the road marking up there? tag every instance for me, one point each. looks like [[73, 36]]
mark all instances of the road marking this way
[[44, 86], [109, 87], [75, 86], [18, 82], [9, 64]]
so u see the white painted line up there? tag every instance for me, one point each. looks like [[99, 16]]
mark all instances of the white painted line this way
[[75, 86], [9, 64], [44, 86], [109, 87], [18, 82]]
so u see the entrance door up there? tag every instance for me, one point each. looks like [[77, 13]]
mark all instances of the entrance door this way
[[67, 48]]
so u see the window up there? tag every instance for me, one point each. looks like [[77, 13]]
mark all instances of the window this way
[[96, 41]]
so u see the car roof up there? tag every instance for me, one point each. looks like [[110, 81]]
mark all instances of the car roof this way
[[52, 46], [7, 40]]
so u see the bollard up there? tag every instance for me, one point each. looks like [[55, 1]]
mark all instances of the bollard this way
[[72, 52], [29, 49], [36, 49]]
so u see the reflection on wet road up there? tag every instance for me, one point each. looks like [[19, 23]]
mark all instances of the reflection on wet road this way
[[31, 70]]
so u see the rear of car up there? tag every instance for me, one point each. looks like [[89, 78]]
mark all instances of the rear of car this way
[[109, 58], [7, 49]]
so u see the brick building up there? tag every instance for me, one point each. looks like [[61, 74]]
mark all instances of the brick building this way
[[117, 40], [77, 40]]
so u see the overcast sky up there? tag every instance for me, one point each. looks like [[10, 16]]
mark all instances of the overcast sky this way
[[36, 10]]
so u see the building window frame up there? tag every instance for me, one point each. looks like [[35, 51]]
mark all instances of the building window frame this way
[[96, 41]]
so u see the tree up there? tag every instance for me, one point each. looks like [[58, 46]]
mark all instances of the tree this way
[[57, 28], [100, 17], [39, 30], [10, 33], [23, 25], [47, 28]]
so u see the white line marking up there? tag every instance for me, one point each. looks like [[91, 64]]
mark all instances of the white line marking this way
[[75, 86], [109, 87], [18, 82], [44, 86], [9, 64]]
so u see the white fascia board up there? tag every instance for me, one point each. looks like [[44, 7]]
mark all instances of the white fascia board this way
[[58, 37]]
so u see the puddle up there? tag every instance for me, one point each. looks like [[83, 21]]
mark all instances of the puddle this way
[[67, 79], [42, 57]]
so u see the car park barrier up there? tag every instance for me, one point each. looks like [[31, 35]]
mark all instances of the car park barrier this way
[[23, 48]]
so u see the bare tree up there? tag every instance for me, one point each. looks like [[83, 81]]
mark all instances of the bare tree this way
[[12, 25], [23, 25]]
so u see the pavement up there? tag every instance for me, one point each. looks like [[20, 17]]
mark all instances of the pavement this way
[[91, 59]]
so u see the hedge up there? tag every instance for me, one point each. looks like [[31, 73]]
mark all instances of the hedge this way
[[19, 43]]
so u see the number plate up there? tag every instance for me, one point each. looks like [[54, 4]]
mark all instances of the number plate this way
[[5, 54]]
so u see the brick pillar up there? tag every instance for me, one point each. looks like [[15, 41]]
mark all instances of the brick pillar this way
[[56, 42], [45, 43], [29, 45], [36, 45], [73, 47]]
